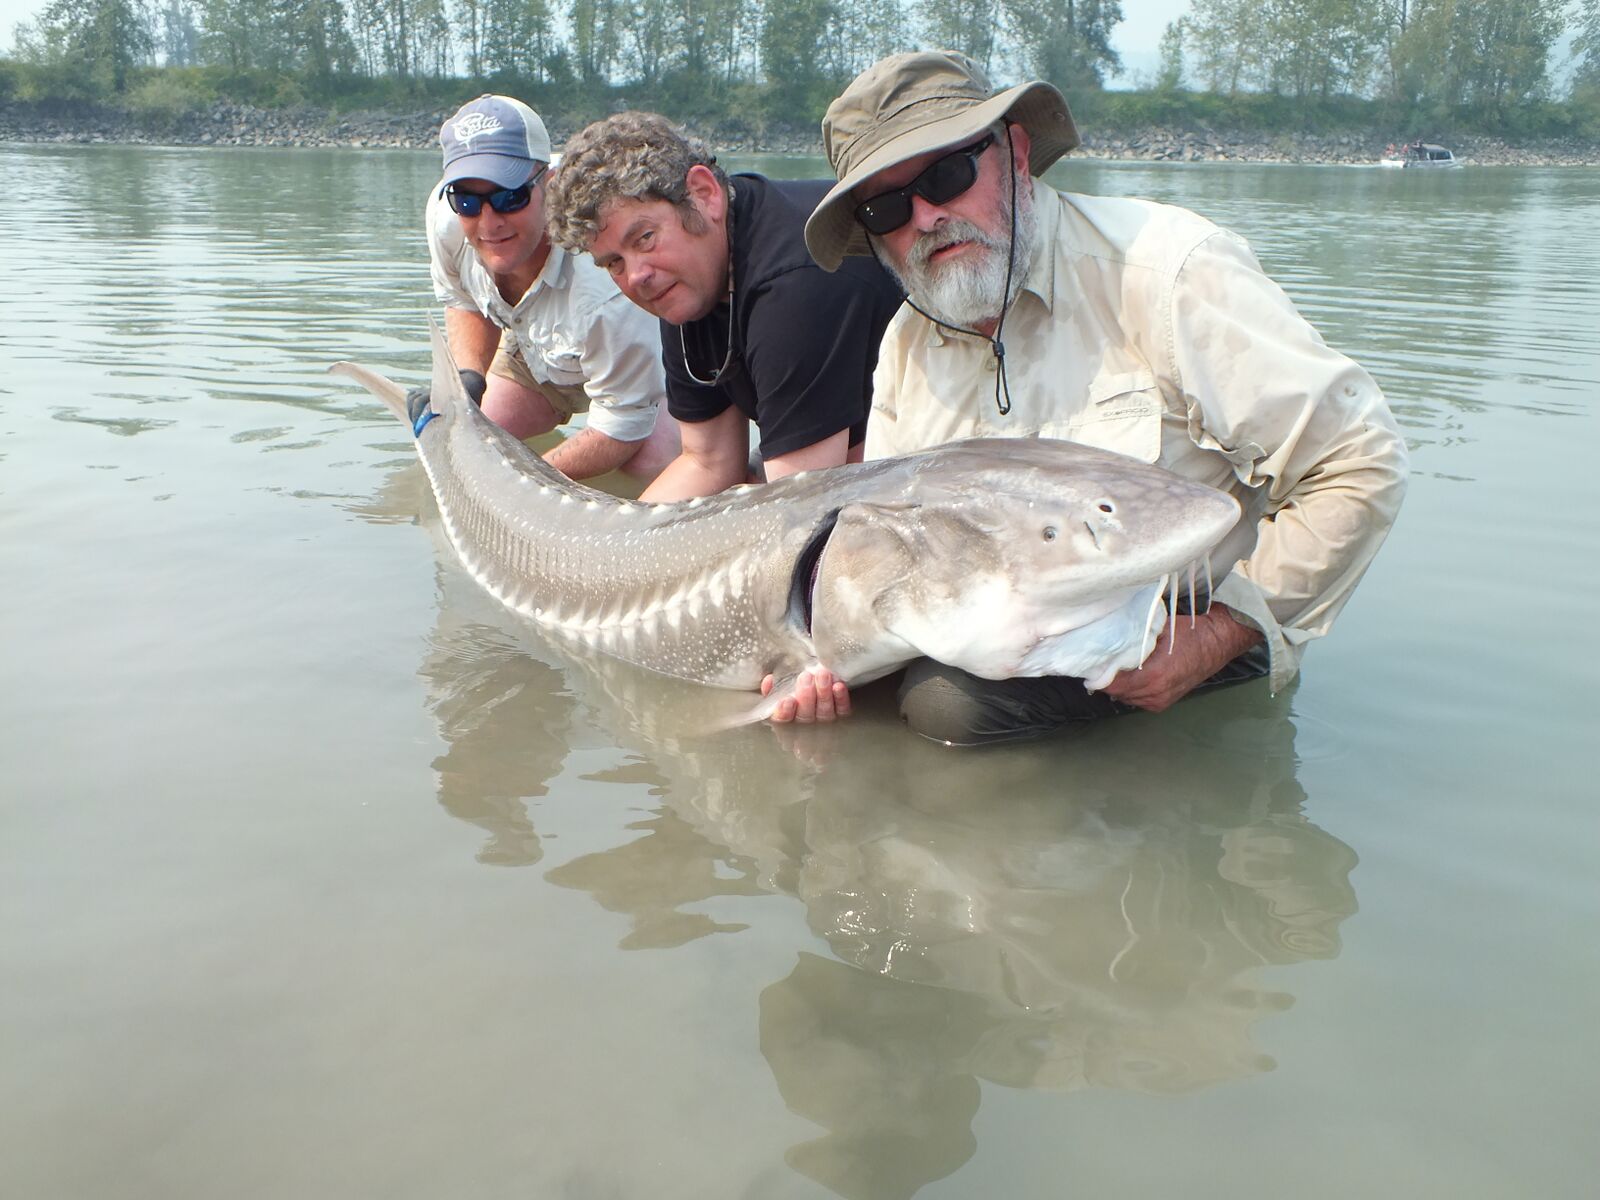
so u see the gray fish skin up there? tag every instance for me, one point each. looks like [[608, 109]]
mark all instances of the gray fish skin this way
[[999, 556]]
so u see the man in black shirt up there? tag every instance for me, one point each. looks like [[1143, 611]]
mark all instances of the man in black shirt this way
[[751, 328]]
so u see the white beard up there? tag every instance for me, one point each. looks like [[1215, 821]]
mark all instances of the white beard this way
[[972, 289]]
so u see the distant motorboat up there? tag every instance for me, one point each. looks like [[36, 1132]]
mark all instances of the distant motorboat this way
[[1418, 154]]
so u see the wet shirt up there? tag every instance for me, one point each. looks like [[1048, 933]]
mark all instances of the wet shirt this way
[[572, 328], [804, 341], [1146, 329]]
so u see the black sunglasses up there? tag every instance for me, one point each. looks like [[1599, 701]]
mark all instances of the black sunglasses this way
[[502, 200], [943, 180]]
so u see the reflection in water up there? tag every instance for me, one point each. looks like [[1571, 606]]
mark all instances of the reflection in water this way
[[653, 877], [874, 1062], [481, 688], [1088, 916], [1089, 912]]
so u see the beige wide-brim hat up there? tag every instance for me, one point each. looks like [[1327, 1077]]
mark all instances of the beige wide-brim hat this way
[[910, 104]]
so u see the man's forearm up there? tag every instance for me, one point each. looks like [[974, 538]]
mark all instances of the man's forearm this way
[[589, 453], [473, 339], [687, 477]]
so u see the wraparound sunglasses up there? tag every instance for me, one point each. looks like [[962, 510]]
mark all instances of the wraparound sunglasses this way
[[502, 200], [941, 182]]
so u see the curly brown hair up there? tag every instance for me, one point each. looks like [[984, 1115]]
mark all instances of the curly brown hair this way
[[627, 156]]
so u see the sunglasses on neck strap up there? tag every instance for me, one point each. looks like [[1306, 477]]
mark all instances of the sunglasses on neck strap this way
[[940, 182]]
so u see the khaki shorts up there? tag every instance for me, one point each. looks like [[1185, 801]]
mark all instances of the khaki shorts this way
[[565, 399]]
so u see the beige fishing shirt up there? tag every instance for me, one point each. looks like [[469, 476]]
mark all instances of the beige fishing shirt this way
[[573, 327], [1146, 329]]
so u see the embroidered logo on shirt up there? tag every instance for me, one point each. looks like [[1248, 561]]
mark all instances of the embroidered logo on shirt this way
[[475, 125]]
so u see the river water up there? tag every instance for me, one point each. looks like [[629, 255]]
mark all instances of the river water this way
[[322, 876]]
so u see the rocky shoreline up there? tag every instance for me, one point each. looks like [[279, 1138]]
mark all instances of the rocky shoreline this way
[[226, 124]]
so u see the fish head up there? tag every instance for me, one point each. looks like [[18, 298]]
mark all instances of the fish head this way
[[1013, 557]]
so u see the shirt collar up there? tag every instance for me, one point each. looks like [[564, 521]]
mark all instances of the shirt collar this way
[[555, 275], [1041, 280]]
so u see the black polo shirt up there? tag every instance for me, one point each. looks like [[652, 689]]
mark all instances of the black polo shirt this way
[[804, 341]]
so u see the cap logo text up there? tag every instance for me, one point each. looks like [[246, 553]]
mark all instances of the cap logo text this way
[[475, 125]]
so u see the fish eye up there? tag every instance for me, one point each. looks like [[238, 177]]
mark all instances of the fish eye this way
[[1049, 533], [1107, 507]]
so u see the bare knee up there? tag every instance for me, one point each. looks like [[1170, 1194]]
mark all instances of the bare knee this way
[[520, 411]]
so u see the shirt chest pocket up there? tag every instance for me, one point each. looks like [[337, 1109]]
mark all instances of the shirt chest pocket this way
[[565, 365], [551, 356], [1123, 413]]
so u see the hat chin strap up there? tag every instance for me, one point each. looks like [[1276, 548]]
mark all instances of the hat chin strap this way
[[1002, 385]]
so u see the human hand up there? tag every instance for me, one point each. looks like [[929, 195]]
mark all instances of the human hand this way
[[818, 698], [418, 398], [1196, 655]]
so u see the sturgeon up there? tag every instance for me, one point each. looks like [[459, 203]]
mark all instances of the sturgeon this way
[[999, 556]]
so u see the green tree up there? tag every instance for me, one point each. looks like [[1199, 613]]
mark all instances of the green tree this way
[[239, 34], [719, 42], [320, 45], [650, 34], [1169, 72], [791, 34], [1586, 45], [970, 26], [1478, 55], [89, 46], [176, 33], [1227, 37], [1320, 48], [386, 36], [516, 38], [1066, 42], [469, 21], [595, 29]]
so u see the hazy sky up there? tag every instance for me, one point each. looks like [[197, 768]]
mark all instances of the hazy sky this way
[[1135, 38]]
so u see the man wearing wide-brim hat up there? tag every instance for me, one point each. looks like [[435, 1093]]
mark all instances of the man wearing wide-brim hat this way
[[1133, 326]]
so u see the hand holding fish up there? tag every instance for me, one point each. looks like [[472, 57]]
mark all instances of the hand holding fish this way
[[1197, 653], [818, 698]]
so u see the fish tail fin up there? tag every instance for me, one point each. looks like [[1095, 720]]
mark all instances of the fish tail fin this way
[[384, 388], [448, 395]]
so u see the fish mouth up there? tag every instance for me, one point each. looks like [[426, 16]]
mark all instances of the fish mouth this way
[[803, 580]]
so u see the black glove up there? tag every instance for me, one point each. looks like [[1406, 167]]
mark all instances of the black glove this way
[[418, 397]]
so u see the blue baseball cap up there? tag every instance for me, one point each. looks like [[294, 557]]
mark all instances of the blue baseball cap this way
[[494, 138]]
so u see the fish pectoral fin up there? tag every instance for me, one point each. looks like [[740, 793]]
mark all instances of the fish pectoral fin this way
[[733, 710], [782, 689]]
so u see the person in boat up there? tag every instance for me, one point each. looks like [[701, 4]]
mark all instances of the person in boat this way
[[1121, 323], [751, 329], [539, 334]]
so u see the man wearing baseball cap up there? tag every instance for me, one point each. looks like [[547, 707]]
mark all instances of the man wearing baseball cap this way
[[539, 334], [1133, 326]]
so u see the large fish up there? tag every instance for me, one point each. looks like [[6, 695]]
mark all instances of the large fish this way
[[1000, 556]]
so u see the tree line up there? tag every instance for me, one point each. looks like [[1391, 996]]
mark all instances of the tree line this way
[[784, 59]]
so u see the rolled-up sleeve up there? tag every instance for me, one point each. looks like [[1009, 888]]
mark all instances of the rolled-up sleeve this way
[[622, 370], [1303, 426]]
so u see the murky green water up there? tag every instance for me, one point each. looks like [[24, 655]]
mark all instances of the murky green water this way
[[320, 876]]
